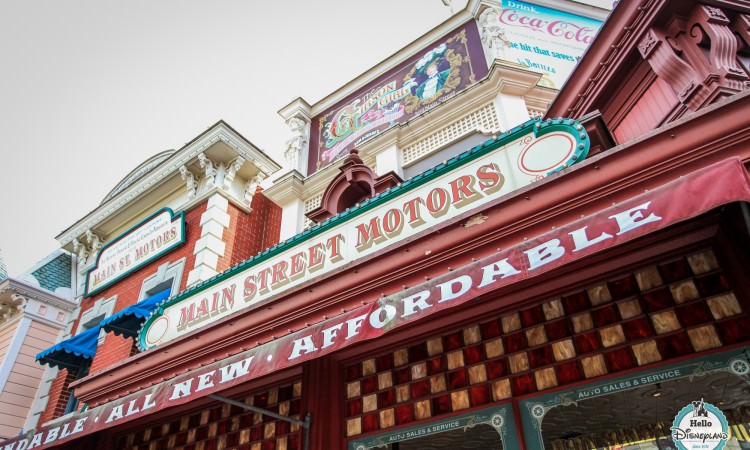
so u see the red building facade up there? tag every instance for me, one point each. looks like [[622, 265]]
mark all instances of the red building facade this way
[[465, 306]]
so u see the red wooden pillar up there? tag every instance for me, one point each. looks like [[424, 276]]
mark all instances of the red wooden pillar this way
[[322, 395]]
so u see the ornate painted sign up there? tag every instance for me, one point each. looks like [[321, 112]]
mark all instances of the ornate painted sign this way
[[700, 425], [432, 76], [719, 184], [153, 237], [534, 410], [466, 183], [544, 39]]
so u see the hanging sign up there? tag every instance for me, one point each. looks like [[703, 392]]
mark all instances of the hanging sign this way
[[148, 240], [466, 183], [719, 184]]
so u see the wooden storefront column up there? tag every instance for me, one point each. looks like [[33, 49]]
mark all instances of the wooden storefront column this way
[[322, 385]]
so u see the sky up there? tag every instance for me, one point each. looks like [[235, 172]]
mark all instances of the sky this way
[[89, 89]]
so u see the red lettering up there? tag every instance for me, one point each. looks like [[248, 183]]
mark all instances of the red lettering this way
[[315, 261], [279, 273], [490, 178], [437, 202], [368, 234], [411, 209], [297, 268], [262, 279], [392, 222], [250, 288], [333, 246], [187, 315], [462, 190]]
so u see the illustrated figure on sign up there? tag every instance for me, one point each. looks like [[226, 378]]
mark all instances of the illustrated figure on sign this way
[[699, 409], [429, 66]]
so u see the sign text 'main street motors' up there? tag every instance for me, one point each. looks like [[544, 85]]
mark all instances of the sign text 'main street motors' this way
[[525, 157]]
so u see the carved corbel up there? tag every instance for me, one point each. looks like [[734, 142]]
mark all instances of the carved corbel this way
[[95, 242], [710, 25], [19, 301], [252, 186], [209, 168], [663, 56], [190, 184], [296, 145], [81, 252], [231, 172]]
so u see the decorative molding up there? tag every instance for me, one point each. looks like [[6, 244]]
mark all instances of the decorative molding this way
[[39, 294], [138, 172], [231, 172], [289, 187], [492, 34], [190, 184], [210, 169], [82, 254], [220, 132], [298, 145], [251, 187], [95, 242]]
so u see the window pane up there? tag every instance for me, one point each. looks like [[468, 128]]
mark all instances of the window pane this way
[[640, 418]]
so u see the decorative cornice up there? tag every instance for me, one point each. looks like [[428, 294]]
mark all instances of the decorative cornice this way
[[17, 287], [397, 58], [297, 107], [290, 186], [220, 132]]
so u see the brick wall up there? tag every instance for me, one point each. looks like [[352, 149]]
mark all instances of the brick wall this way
[[59, 394], [249, 234], [116, 348]]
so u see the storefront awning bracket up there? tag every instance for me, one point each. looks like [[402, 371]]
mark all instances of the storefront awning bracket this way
[[305, 424]]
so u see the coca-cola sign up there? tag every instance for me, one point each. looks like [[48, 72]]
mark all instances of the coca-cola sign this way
[[543, 39]]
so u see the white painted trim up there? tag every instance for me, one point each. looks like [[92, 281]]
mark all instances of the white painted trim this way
[[41, 398], [210, 246], [15, 347], [104, 307], [173, 270]]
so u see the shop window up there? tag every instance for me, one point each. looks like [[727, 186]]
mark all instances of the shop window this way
[[72, 403], [658, 312], [223, 426], [489, 428], [641, 418]]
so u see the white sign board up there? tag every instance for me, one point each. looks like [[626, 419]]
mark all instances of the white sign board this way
[[158, 234], [420, 204]]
